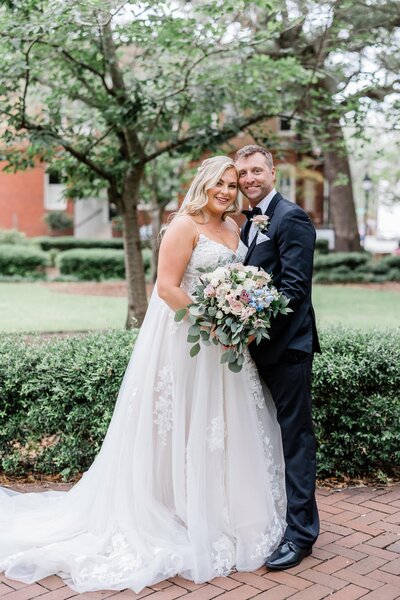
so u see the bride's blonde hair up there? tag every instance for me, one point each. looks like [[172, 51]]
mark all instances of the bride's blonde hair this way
[[208, 175]]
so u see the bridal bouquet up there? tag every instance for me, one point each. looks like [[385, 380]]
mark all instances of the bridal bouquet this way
[[232, 303]]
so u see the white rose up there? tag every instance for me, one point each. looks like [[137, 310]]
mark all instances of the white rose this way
[[220, 273], [238, 266], [251, 269], [224, 289], [249, 284]]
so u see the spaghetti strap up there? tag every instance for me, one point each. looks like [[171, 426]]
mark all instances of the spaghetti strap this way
[[235, 226], [194, 223]]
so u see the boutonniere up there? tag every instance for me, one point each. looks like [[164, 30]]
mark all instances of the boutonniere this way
[[260, 222]]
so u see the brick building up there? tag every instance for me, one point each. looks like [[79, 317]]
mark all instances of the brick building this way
[[27, 196]]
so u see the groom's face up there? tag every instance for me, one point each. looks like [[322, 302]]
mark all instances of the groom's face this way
[[256, 177]]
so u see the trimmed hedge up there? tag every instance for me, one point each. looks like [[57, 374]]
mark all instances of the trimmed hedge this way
[[57, 398], [354, 267], [70, 243], [356, 387], [96, 264], [13, 236], [22, 260], [352, 260], [322, 246]]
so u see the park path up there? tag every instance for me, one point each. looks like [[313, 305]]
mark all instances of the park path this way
[[356, 556]]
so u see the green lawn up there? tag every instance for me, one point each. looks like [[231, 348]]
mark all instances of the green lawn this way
[[33, 307], [362, 308]]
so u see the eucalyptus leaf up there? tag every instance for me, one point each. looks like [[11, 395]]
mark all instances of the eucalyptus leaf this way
[[235, 367], [194, 330], [193, 338], [194, 350], [180, 314]]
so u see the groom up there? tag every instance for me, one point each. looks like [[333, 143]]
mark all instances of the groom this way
[[285, 249]]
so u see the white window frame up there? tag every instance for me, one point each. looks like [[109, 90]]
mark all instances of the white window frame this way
[[53, 195], [287, 132], [288, 171]]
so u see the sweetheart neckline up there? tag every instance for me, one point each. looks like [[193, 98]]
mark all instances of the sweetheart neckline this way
[[221, 244]]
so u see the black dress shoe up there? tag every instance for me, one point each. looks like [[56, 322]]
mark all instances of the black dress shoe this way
[[287, 555]]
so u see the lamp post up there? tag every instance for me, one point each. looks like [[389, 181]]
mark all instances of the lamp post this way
[[367, 185]]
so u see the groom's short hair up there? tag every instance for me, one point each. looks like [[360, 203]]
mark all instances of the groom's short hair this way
[[253, 149]]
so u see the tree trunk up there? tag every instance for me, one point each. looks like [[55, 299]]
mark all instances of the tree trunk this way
[[337, 172], [137, 297]]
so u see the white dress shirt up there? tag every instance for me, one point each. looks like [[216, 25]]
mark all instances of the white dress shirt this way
[[263, 205]]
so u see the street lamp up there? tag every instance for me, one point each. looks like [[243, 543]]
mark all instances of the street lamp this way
[[367, 186]]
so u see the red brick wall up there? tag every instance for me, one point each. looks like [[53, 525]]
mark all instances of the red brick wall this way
[[22, 201]]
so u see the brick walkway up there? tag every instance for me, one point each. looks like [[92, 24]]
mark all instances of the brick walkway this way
[[357, 556]]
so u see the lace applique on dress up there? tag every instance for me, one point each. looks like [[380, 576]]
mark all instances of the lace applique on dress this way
[[163, 405], [216, 434], [275, 472], [204, 255], [268, 542], [114, 566], [255, 384], [223, 556]]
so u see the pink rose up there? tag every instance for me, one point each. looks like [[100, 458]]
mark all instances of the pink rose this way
[[209, 291], [244, 297], [236, 307], [247, 312]]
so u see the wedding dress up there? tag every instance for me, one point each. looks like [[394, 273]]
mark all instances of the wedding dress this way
[[189, 479]]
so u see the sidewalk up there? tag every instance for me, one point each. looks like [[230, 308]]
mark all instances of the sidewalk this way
[[357, 556]]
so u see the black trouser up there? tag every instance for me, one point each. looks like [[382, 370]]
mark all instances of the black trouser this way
[[290, 384]]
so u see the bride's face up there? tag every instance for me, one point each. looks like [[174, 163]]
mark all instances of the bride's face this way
[[224, 193]]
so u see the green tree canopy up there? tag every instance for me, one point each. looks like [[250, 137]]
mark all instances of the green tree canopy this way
[[100, 89]]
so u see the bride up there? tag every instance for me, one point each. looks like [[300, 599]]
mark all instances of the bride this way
[[190, 478]]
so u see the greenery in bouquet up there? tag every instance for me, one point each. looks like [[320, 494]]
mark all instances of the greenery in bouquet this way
[[232, 305]]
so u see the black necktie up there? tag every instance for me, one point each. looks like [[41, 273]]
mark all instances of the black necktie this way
[[252, 212]]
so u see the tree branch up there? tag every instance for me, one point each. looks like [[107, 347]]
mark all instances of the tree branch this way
[[222, 135], [132, 141], [79, 63], [81, 156], [189, 72]]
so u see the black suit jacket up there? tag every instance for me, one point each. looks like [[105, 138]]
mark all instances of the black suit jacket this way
[[288, 257]]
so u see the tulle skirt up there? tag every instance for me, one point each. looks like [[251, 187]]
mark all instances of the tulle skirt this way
[[189, 479]]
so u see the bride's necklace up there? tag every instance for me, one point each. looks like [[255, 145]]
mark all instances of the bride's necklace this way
[[217, 231]]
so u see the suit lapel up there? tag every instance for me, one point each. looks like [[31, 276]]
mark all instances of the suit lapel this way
[[272, 205], [269, 213]]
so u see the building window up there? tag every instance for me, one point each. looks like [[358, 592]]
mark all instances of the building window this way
[[286, 181], [285, 126], [54, 178], [309, 196], [54, 192]]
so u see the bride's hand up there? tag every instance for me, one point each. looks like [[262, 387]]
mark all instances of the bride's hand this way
[[251, 339], [213, 334]]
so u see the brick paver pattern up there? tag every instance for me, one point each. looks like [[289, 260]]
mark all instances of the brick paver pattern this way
[[356, 556]]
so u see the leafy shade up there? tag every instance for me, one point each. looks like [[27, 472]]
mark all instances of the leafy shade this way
[[100, 90]]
